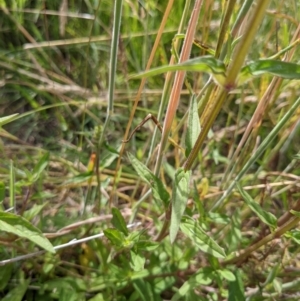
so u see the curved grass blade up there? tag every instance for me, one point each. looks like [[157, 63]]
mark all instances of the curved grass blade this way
[[277, 68], [7, 119], [207, 64]]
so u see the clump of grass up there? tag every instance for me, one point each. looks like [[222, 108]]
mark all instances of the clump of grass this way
[[206, 210]]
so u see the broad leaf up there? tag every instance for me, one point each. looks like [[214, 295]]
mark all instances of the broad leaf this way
[[19, 226], [193, 128], [147, 245], [179, 199], [226, 274], [277, 68], [5, 274], [202, 240], [207, 64], [116, 237], [236, 288], [158, 189], [137, 261], [266, 217], [118, 221]]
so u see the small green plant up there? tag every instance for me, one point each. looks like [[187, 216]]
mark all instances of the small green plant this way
[[97, 204]]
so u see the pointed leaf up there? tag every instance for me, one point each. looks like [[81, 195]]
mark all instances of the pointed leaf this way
[[41, 165], [207, 64], [266, 217], [226, 274], [203, 241], [158, 189], [118, 221], [179, 199], [20, 226], [193, 129], [277, 68], [236, 288], [116, 237], [17, 293]]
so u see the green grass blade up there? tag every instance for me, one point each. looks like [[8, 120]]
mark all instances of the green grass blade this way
[[7, 119], [207, 64], [281, 69], [19, 226]]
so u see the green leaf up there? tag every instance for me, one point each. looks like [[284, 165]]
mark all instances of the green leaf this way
[[20, 226], [145, 290], [266, 217], [116, 237], [204, 276], [226, 274], [83, 177], [203, 241], [296, 213], [294, 234], [39, 168], [236, 288], [147, 245], [5, 273], [193, 128], [266, 66], [158, 189], [17, 293], [207, 64], [118, 221], [137, 261], [180, 195], [7, 119], [34, 211]]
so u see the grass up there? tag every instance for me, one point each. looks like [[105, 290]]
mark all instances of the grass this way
[[86, 217]]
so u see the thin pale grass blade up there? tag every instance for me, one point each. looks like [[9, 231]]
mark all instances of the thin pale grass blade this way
[[207, 64], [113, 63]]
